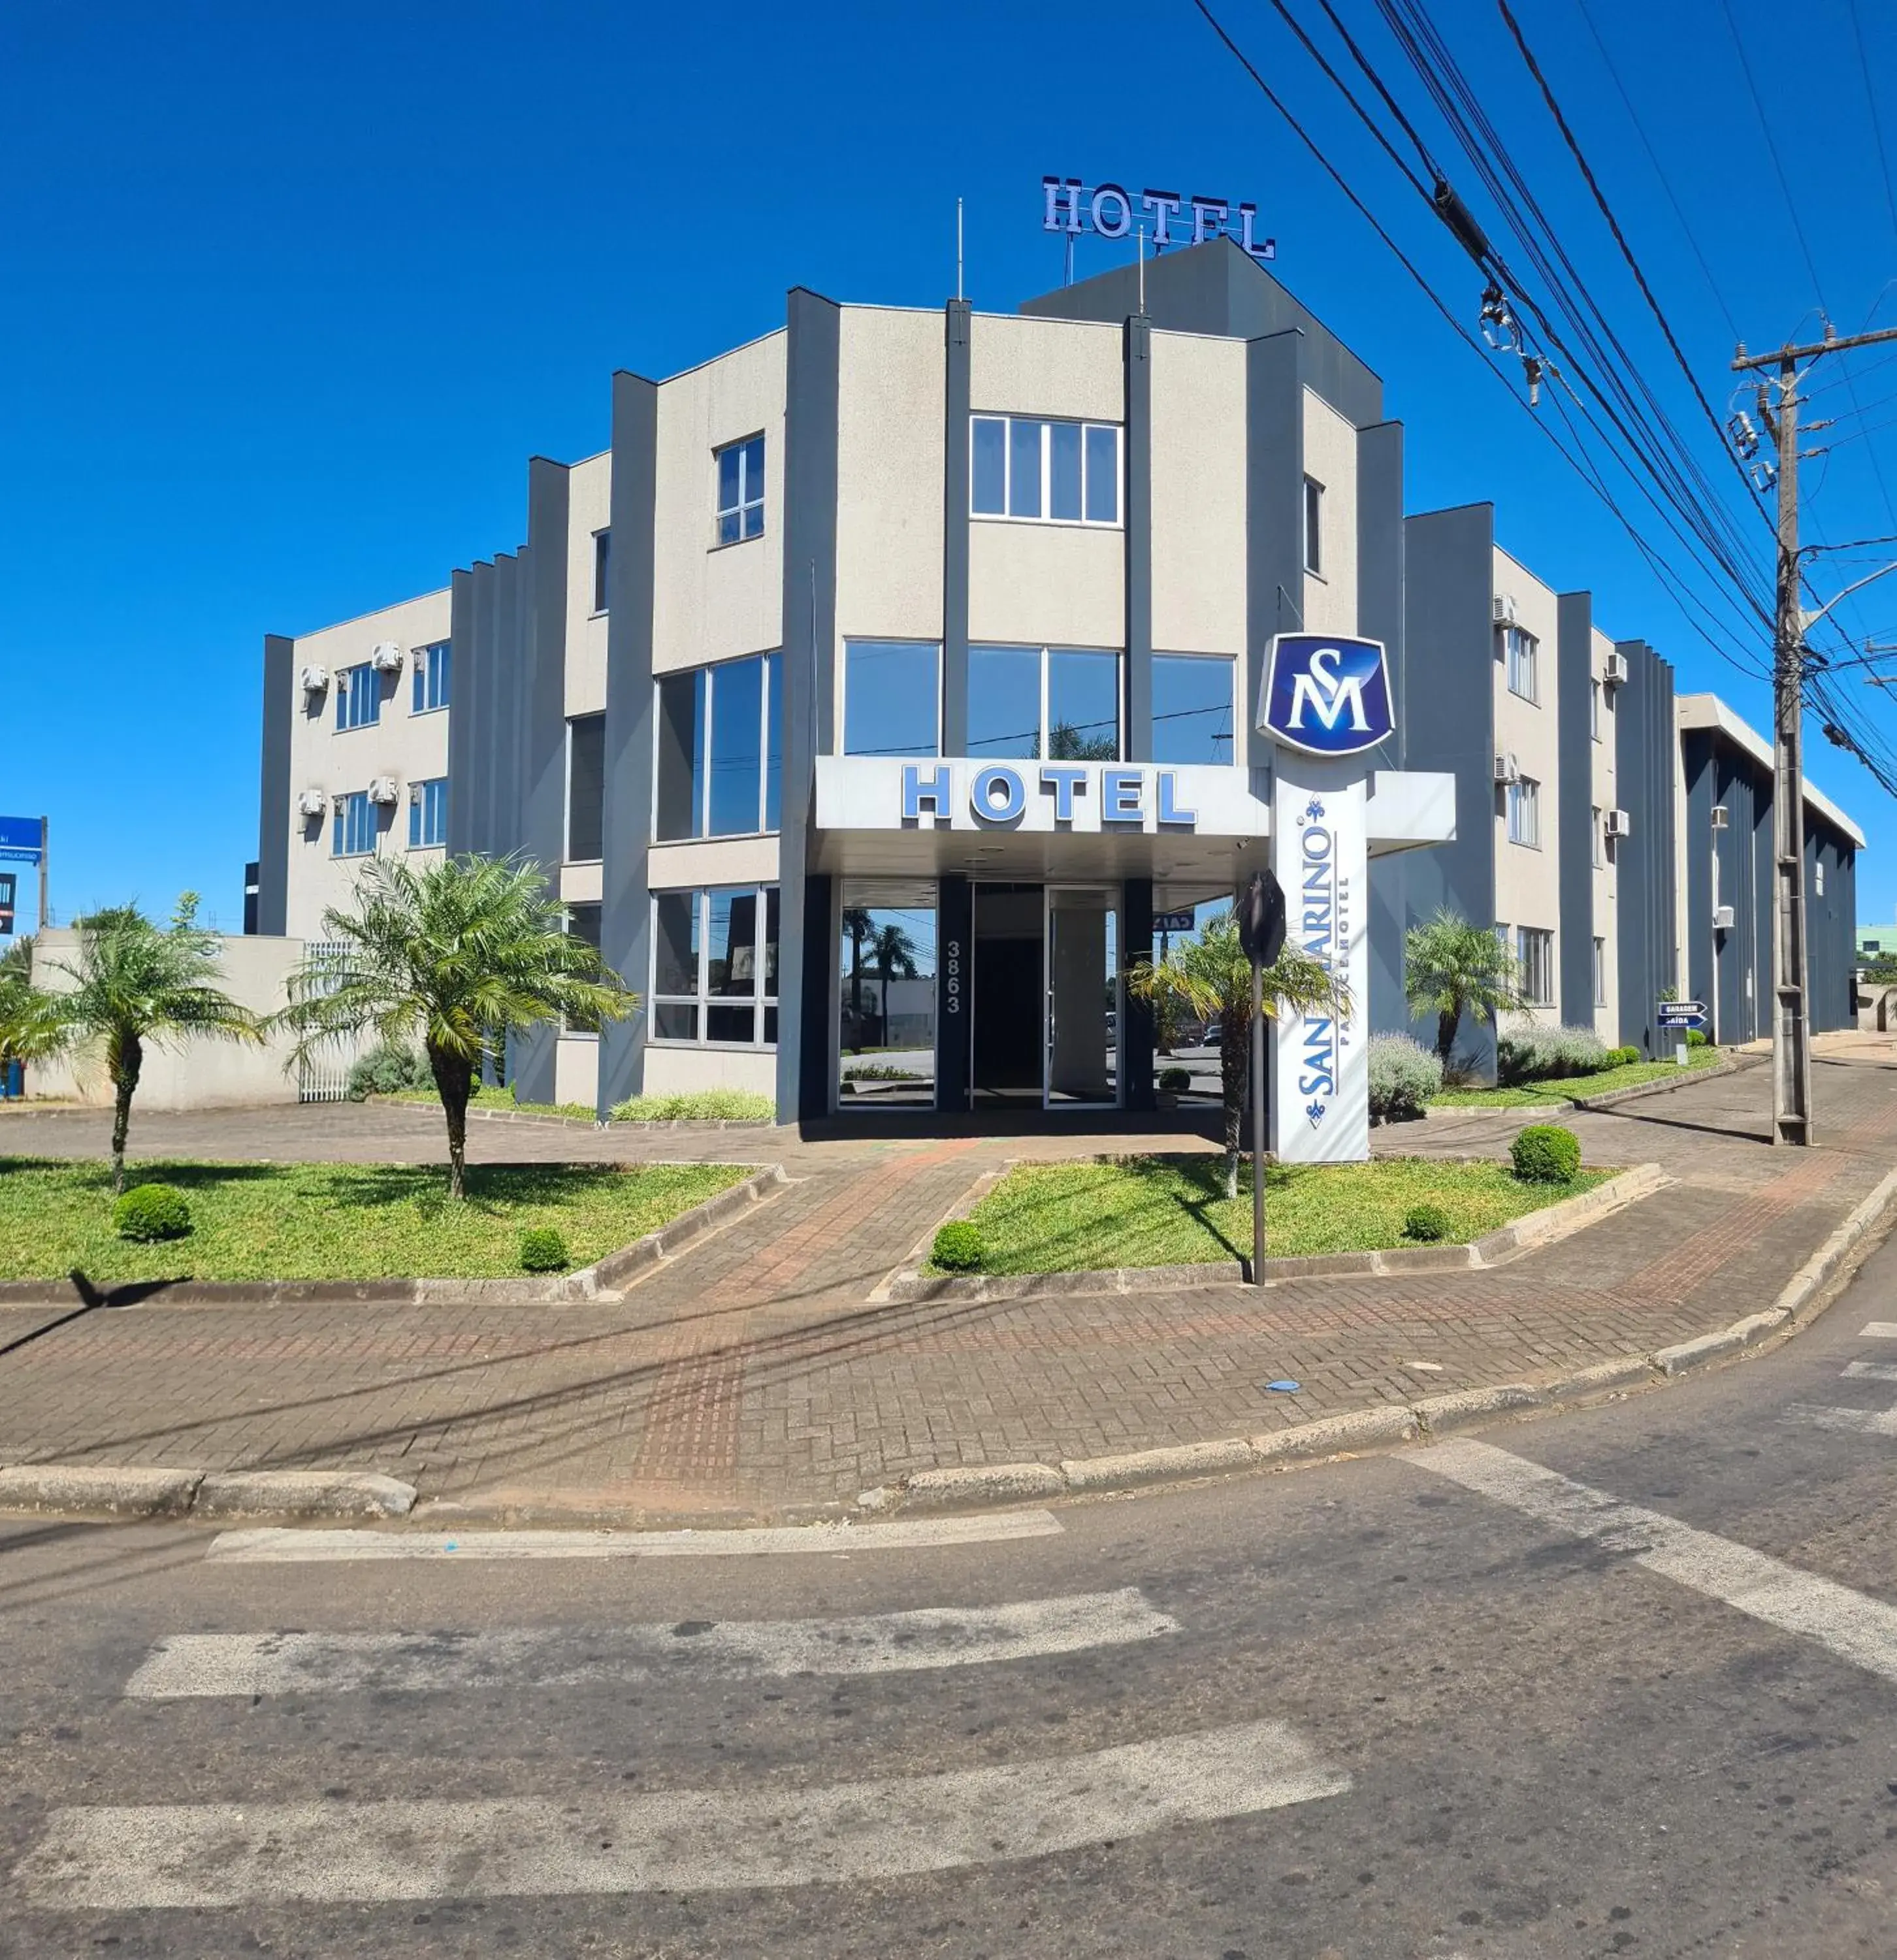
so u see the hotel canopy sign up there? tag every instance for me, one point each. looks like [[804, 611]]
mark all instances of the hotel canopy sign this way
[[1107, 211]]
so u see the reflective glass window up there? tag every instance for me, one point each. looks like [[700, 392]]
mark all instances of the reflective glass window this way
[[678, 810], [737, 747], [1083, 705], [586, 788], [1023, 468], [1192, 709], [989, 464], [1063, 471], [1004, 701], [892, 698]]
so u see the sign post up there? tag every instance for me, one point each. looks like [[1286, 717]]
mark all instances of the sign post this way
[[1260, 907], [23, 841], [1677, 1017]]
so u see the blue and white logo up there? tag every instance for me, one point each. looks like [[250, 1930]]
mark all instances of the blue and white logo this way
[[1325, 695]]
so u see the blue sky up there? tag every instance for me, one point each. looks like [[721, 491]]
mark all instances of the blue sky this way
[[294, 292]]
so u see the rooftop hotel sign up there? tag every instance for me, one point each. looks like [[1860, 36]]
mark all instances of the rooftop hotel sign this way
[[1106, 211], [1325, 703]]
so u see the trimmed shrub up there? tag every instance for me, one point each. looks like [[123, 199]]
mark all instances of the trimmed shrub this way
[[1173, 1080], [1546, 1153], [544, 1250], [1698, 1038], [149, 1212], [1403, 1076], [958, 1248], [1427, 1224], [1624, 1058], [388, 1069], [703, 1106], [1544, 1054]]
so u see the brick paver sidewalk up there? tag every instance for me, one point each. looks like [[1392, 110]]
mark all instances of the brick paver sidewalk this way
[[754, 1373]]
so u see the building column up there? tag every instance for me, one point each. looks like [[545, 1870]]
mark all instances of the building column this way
[[1135, 1016], [1137, 706], [955, 530], [954, 924]]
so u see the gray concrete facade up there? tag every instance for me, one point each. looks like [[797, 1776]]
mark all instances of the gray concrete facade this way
[[1646, 759]]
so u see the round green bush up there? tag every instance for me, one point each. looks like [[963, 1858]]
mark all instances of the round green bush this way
[[388, 1069], [543, 1250], [150, 1212], [1698, 1038], [1624, 1057], [1173, 1080], [958, 1248], [1427, 1224], [1546, 1153]]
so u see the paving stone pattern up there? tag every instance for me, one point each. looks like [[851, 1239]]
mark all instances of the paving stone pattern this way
[[753, 1374]]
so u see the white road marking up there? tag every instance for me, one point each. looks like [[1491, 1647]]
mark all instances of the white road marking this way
[[283, 1544], [1861, 1422], [141, 1857], [1857, 1629], [1879, 1330], [194, 1664], [1871, 1371]]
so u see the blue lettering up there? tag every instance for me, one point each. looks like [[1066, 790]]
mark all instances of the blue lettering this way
[[1066, 783], [1169, 809], [1124, 791], [1014, 795], [917, 787]]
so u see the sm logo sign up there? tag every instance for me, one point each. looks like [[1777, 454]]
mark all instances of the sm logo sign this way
[[1326, 695]]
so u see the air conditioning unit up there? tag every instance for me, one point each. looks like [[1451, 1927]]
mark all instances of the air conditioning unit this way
[[1617, 823], [312, 802], [1720, 818], [383, 789], [315, 680], [1722, 919], [1504, 608], [339, 803], [1507, 770], [414, 792], [387, 658], [1615, 673]]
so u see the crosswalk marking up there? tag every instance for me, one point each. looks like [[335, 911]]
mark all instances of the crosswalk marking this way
[[1861, 1422], [1858, 1629], [1879, 1330], [286, 1545], [1871, 1371], [198, 1664], [136, 1858]]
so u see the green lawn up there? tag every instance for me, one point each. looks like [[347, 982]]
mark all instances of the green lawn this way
[[696, 1105], [335, 1221], [1171, 1210], [1565, 1088], [485, 1097]]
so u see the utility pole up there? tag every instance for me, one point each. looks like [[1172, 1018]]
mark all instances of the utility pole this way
[[1791, 1113]]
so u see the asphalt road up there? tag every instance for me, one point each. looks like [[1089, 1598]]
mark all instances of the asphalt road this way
[[1414, 1707]]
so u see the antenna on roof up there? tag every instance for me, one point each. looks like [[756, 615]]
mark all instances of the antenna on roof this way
[[959, 293], [1142, 268]]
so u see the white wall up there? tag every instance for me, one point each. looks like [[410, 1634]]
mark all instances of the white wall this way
[[712, 602], [589, 510], [1330, 457], [680, 1071], [411, 748], [1528, 879], [1602, 797], [194, 1074], [1198, 560]]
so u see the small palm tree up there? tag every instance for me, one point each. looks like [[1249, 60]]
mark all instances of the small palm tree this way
[[30, 1029], [857, 923], [465, 948], [1210, 977], [134, 982], [893, 953], [1452, 968]]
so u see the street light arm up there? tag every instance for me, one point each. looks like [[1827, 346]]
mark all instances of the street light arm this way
[[1808, 620]]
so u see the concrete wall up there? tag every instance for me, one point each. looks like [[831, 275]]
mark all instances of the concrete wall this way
[[193, 1074], [1198, 496], [1528, 877], [1604, 795]]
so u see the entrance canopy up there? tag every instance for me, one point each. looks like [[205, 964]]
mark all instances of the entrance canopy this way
[[1044, 822]]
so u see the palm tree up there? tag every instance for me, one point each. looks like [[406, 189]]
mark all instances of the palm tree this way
[[465, 948], [857, 923], [894, 952], [134, 982], [1210, 977], [1452, 968]]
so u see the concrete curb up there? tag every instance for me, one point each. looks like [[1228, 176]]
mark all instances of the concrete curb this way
[[478, 1115], [1534, 1230], [107, 1491], [601, 1281], [1613, 1099]]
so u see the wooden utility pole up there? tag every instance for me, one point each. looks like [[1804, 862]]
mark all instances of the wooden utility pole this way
[[1791, 1115]]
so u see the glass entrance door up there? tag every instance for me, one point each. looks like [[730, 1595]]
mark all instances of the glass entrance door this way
[[1083, 1024]]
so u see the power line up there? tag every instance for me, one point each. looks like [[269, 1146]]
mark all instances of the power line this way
[[1877, 122], [1771, 149]]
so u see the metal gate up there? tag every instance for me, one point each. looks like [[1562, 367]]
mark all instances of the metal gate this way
[[322, 1076]]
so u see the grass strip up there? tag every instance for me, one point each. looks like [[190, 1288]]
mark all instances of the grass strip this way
[[1564, 1089], [1171, 1210], [259, 1221]]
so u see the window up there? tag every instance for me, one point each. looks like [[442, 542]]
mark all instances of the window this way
[[892, 698], [352, 831], [1314, 526], [1519, 649], [887, 995], [1594, 831], [1056, 472], [358, 697], [1057, 702], [1191, 708], [586, 789], [720, 764], [582, 922], [1535, 958], [1524, 812], [602, 566], [428, 813], [741, 490], [1818, 877], [714, 966], [430, 667], [1593, 709], [1600, 973]]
